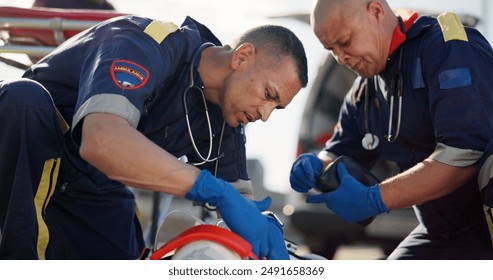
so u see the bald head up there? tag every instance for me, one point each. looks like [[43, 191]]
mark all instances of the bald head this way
[[357, 32], [324, 9], [345, 10]]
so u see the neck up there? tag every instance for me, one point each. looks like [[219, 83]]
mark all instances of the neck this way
[[212, 69], [406, 20]]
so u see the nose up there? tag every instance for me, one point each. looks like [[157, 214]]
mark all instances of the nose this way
[[266, 111], [340, 56]]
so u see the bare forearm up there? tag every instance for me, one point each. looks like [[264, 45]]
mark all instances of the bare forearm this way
[[426, 181], [125, 155]]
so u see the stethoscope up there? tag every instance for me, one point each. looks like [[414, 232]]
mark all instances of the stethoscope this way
[[192, 86], [370, 141]]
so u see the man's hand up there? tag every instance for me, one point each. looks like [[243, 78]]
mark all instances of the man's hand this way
[[243, 216], [304, 171], [352, 201]]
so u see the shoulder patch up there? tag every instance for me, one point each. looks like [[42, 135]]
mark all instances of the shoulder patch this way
[[454, 78], [452, 27], [128, 75], [159, 30]]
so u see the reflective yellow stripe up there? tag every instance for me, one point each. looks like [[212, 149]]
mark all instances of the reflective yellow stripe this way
[[159, 30], [45, 191], [137, 212], [452, 27], [489, 220], [63, 123]]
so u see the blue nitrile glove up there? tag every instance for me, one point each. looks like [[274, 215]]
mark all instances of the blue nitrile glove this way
[[277, 246], [352, 201], [304, 171], [243, 216]]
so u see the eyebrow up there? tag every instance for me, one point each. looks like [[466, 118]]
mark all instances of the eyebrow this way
[[332, 44], [337, 41], [326, 41], [278, 99]]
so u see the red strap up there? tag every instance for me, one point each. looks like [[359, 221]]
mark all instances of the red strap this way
[[45, 36], [217, 234], [408, 18], [75, 14]]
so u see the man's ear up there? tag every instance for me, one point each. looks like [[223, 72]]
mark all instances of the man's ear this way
[[243, 54], [376, 9]]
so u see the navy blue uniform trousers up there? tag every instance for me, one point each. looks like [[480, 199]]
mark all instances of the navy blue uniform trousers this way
[[30, 147], [49, 209]]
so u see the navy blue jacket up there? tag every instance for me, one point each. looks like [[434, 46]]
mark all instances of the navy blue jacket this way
[[138, 69], [446, 115]]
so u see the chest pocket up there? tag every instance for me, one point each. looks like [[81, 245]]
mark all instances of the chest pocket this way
[[417, 79]]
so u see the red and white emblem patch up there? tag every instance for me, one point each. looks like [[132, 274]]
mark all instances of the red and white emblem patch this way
[[128, 75]]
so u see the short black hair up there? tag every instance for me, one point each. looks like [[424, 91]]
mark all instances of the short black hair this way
[[277, 41]]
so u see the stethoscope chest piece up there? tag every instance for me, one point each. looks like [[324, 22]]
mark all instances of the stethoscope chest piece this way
[[370, 141]]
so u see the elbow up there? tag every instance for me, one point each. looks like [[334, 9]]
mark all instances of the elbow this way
[[95, 146], [91, 147], [100, 132], [94, 150]]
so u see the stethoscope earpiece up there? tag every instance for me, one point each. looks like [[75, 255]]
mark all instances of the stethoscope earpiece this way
[[370, 141]]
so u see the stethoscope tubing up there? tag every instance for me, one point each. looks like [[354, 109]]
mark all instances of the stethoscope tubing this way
[[191, 85], [370, 140]]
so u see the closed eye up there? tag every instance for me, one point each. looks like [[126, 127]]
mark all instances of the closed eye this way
[[273, 97], [269, 96], [345, 44]]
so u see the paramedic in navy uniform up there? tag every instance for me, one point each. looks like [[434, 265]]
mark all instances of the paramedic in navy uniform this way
[[138, 94], [437, 136]]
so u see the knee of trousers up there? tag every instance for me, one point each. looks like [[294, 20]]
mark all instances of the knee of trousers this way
[[27, 112], [19, 92]]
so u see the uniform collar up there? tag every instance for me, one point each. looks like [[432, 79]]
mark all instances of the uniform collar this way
[[406, 20], [204, 32]]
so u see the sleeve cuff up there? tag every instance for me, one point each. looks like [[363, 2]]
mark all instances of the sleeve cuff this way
[[455, 156], [243, 186], [108, 103]]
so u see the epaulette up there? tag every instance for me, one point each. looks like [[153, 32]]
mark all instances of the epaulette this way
[[159, 30], [452, 28]]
